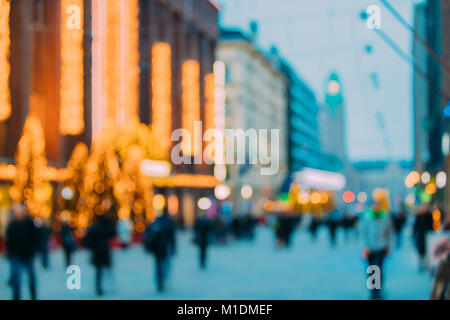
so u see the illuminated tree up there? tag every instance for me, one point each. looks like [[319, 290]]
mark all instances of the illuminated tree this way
[[69, 196], [113, 178], [29, 183]]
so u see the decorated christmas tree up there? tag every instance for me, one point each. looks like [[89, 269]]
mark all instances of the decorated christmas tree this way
[[113, 180], [69, 195], [29, 183]]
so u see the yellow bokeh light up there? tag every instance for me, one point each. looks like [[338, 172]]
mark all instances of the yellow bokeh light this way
[[5, 66], [72, 75], [431, 188], [315, 198], [162, 93], [191, 105], [115, 62], [159, 202]]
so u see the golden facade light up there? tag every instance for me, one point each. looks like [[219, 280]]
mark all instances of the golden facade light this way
[[210, 114], [5, 66], [220, 170], [115, 62], [191, 106], [129, 60], [161, 93], [98, 75], [72, 75]]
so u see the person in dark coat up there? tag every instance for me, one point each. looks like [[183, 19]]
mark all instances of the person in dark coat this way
[[313, 227], [22, 240], [399, 221], [97, 241], [68, 242], [159, 239], [284, 229], [202, 235], [45, 234], [333, 224], [422, 225]]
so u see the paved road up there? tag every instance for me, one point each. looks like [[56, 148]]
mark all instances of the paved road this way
[[241, 270]]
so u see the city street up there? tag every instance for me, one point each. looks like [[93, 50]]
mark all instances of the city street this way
[[241, 270]]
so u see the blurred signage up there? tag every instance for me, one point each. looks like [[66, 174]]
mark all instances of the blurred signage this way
[[320, 179]]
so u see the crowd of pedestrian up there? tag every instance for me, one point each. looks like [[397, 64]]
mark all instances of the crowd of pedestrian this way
[[380, 230]]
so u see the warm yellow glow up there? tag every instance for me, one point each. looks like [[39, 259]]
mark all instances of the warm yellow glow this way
[[7, 172], [436, 220], [159, 202], [431, 188], [382, 196], [115, 62], [129, 60], [5, 66], [210, 114], [412, 179], [191, 105], [161, 93], [186, 180], [315, 198], [72, 76], [172, 204], [30, 184], [219, 117], [303, 197], [324, 198]]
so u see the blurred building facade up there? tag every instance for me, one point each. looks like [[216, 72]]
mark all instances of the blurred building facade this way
[[255, 99], [303, 123], [430, 91], [82, 65], [431, 88], [420, 94]]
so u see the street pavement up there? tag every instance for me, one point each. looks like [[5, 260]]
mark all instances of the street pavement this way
[[239, 270]]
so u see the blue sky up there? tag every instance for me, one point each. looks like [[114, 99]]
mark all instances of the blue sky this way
[[320, 36]]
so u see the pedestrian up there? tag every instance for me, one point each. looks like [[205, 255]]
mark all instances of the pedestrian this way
[[124, 229], [399, 220], [333, 223], [69, 245], [159, 240], [423, 223], [22, 240], [441, 287], [313, 227], [377, 234], [202, 237], [44, 242], [97, 240]]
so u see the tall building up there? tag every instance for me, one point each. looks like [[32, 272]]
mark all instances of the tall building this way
[[434, 71], [332, 125], [420, 93], [81, 66], [255, 99], [431, 78], [303, 123]]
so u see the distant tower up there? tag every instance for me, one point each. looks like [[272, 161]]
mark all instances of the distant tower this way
[[333, 121]]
